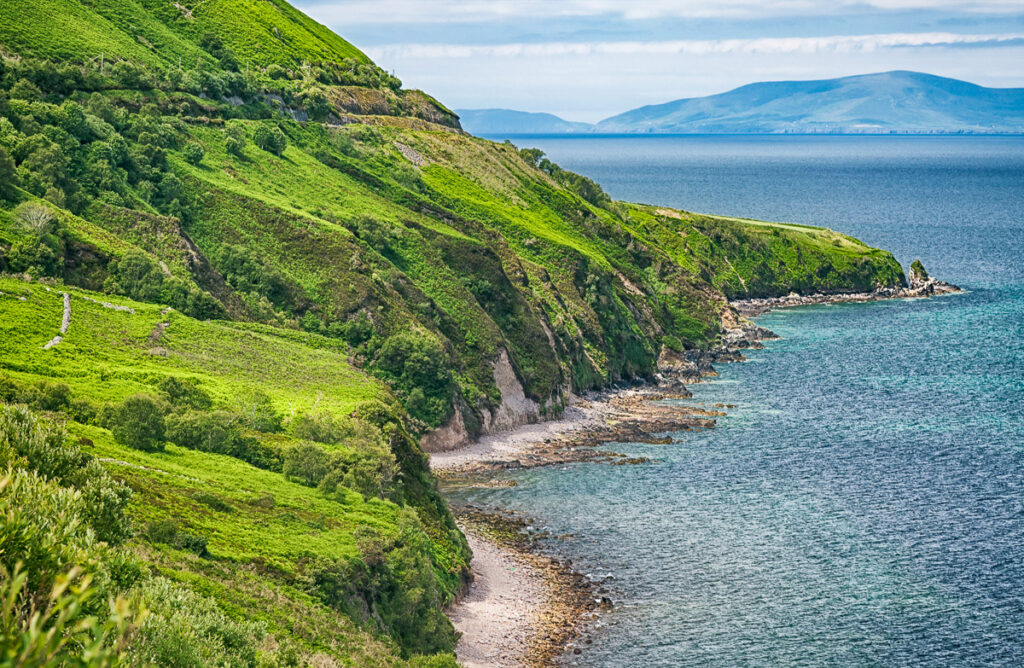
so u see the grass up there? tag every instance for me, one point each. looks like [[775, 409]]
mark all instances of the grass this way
[[157, 33], [108, 355]]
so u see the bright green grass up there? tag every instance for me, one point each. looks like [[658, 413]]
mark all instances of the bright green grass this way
[[157, 33], [108, 355]]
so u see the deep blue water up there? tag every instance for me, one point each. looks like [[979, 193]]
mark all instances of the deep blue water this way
[[864, 503]]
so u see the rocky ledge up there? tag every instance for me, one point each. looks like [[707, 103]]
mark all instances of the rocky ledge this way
[[920, 285]]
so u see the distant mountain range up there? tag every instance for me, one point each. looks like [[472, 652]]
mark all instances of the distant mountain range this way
[[899, 102]]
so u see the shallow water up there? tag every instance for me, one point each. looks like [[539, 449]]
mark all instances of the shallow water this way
[[864, 503]]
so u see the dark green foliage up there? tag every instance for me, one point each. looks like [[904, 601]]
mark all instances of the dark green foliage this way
[[193, 153], [235, 138], [137, 422], [220, 432], [395, 579], [9, 179], [42, 395], [168, 533], [136, 275], [416, 365], [42, 447], [319, 426], [307, 463], [250, 275], [184, 393], [270, 139], [917, 268], [256, 411], [215, 502]]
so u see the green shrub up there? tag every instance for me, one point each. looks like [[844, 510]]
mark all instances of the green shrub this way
[[256, 411], [417, 366], [235, 138], [42, 446], [184, 393], [168, 533], [307, 463], [137, 422], [193, 153], [270, 138], [213, 501], [220, 432], [319, 426], [185, 629]]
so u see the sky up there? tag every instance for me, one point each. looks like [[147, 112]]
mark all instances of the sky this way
[[585, 60]]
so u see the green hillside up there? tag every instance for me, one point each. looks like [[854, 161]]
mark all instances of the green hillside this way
[[282, 272]]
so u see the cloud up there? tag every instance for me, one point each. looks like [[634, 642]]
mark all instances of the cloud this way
[[355, 12], [753, 46]]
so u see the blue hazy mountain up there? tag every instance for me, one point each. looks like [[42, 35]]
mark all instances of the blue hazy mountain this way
[[887, 102], [509, 122], [899, 101]]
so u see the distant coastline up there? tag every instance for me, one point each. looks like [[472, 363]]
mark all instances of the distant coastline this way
[[883, 103]]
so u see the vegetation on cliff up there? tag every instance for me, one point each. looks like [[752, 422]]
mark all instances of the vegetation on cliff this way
[[245, 271]]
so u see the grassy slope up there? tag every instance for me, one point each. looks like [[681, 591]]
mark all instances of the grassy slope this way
[[256, 547], [158, 33]]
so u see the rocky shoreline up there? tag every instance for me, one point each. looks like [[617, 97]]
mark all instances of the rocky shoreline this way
[[569, 602], [543, 605], [920, 287]]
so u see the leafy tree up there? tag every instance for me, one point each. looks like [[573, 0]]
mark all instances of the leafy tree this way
[[257, 411], [36, 217], [236, 140], [193, 153], [270, 139], [184, 392], [137, 422], [307, 463]]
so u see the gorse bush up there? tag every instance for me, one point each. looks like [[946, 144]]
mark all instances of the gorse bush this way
[[391, 584], [220, 432], [417, 367], [36, 445], [137, 422]]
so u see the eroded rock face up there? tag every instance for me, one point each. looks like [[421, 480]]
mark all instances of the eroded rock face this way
[[514, 410]]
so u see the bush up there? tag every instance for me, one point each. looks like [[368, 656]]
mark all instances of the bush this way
[[270, 139], [186, 629], [307, 463], [235, 140], [417, 367], [214, 501], [168, 533], [318, 426], [41, 446], [184, 393], [193, 153], [137, 422], [220, 432], [257, 411]]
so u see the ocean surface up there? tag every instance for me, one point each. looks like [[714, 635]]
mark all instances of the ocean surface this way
[[864, 502]]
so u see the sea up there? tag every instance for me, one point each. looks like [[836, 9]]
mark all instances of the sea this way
[[863, 503]]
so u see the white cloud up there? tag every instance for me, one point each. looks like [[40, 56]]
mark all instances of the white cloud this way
[[761, 45], [355, 12]]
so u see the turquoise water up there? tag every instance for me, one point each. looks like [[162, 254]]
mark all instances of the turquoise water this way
[[864, 503]]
